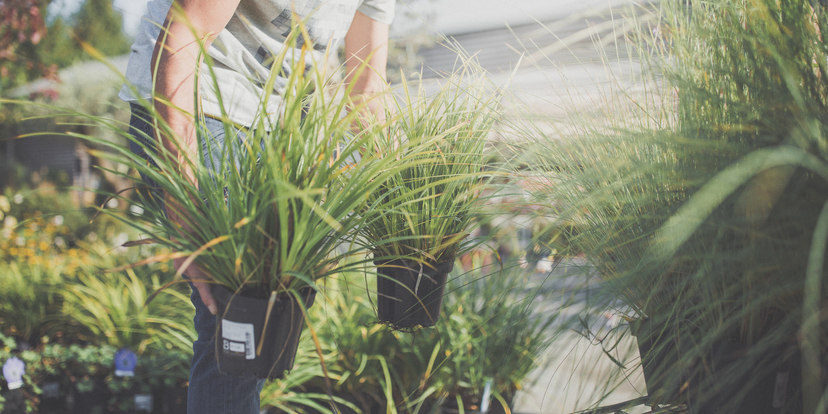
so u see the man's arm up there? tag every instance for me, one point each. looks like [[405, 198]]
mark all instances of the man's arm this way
[[176, 57], [367, 41]]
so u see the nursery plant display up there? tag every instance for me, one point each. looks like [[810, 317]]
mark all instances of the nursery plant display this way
[[43, 242], [417, 220], [66, 318], [293, 393], [480, 356], [109, 308], [701, 202], [360, 355]]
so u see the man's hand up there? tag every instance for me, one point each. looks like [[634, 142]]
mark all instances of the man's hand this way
[[204, 289]]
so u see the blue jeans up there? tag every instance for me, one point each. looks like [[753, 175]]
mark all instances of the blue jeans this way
[[210, 392]]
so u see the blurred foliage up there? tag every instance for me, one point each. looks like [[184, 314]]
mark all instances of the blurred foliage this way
[[47, 244], [80, 367], [22, 30], [696, 193], [39, 50], [491, 330]]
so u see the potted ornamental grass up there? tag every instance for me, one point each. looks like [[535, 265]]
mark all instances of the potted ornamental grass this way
[[416, 221], [265, 222], [700, 200]]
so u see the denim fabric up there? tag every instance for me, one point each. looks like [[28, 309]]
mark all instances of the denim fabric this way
[[210, 391]]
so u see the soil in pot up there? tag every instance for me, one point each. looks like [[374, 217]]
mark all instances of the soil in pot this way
[[469, 407], [410, 293], [496, 407], [474, 404], [251, 342]]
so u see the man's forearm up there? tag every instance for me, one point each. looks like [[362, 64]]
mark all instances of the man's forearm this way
[[367, 44], [176, 59], [190, 28]]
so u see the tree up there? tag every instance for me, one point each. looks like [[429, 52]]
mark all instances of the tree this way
[[21, 30], [100, 26], [28, 52]]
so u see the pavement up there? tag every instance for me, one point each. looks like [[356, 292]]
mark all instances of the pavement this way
[[576, 373]]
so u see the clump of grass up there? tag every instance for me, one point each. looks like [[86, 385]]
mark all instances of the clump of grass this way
[[270, 214], [424, 209], [110, 309]]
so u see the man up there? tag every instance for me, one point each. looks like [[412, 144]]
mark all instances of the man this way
[[241, 37]]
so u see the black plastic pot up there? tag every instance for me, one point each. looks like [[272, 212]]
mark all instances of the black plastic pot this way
[[720, 380], [53, 398], [747, 384], [241, 322], [90, 400], [410, 293], [175, 400], [15, 401], [660, 353]]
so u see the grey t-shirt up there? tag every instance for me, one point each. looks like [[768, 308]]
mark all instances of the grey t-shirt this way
[[243, 52]]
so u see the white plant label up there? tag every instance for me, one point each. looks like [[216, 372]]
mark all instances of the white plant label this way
[[13, 371], [238, 338], [780, 391], [143, 402], [51, 390], [487, 397]]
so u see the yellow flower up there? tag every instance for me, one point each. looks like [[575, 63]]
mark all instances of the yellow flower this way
[[44, 246]]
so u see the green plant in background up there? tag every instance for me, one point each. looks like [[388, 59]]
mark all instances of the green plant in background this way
[[493, 336], [424, 210], [111, 308], [299, 390], [698, 201], [29, 303], [44, 243], [360, 354]]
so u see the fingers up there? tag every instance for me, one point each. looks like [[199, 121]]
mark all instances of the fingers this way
[[204, 289], [206, 296]]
